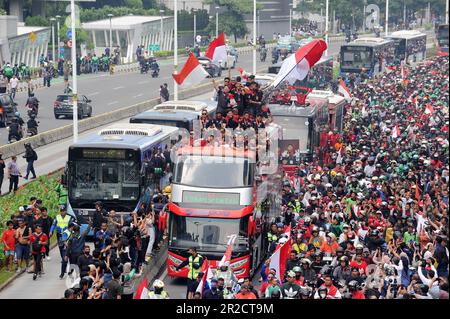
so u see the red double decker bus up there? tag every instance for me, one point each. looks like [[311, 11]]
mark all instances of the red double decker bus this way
[[215, 196]]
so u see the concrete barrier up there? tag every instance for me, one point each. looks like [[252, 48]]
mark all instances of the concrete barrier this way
[[93, 122]]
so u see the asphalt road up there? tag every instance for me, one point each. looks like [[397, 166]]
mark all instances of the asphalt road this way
[[111, 92]]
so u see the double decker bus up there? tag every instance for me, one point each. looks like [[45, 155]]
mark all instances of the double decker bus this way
[[113, 166], [301, 129], [176, 113], [370, 55], [442, 39], [410, 45], [214, 197]]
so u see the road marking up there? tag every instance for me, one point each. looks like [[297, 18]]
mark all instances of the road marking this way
[[95, 93], [138, 95], [111, 103], [119, 87]]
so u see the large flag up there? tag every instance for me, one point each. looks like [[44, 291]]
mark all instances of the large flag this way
[[297, 66], [280, 256], [429, 109], [227, 256], [244, 74], [344, 90], [191, 74], [395, 132], [142, 290], [417, 195], [208, 274], [217, 51]]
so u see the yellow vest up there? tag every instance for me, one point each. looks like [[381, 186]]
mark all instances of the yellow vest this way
[[62, 223], [193, 273]]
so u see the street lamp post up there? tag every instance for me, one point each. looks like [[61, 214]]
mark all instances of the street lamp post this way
[[53, 39], [57, 32], [290, 19], [364, 17], [446, 12], [74, 72], [387, 18], [110, 15], [321, 17], [161, 31], [254, 37], [217, 21], [258, 30], [175, 48], [195, 26]]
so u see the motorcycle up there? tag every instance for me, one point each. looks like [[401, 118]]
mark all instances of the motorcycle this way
[[32, 110], [155, 73], [32, 131], [144, 67]]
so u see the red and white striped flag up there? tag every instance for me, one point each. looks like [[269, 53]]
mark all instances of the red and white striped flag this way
[[227, 256], [297, 66], [279, 257], [244, 74], [191, 74], [344, 90], [217, 51], [142, 290], [208, 274], [429, 109], [395, 132]]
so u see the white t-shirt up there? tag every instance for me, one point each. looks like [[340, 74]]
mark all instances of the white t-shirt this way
[[14, 82]]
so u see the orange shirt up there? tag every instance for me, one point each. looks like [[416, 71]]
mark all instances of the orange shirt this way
[[249, 295], [329, 248]]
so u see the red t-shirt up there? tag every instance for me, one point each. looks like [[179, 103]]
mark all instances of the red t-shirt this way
[[8, 237], [358, 295], [362, 265], [43, 238]]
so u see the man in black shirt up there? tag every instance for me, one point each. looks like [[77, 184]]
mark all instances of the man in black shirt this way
[[99, 216], [84, 261], [46, 223], [213, 292]]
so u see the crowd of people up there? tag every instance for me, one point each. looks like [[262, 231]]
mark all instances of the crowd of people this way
[[369, 218]]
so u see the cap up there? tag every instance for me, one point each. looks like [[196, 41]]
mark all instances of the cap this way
[[291, 274], [366, 250], [21, 209]]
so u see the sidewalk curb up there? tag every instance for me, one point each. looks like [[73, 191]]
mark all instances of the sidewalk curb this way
[[17, 275]]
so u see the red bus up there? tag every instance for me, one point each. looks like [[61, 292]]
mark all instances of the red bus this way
[[215, 196]]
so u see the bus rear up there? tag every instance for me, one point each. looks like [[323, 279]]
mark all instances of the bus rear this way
[[442, 39]]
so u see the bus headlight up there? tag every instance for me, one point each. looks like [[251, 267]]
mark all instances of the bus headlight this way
[[239, 272], [239, 263], [175, 260]]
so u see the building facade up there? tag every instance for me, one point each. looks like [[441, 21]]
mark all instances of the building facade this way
[[16, 44], [128, 32]]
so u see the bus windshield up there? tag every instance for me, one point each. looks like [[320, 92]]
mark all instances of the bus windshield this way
[[442, 36], [173, 123], [356, 59], [105, 180], [207, 234], [213, 171]]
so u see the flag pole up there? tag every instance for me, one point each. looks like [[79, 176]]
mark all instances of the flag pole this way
[[175, 49]]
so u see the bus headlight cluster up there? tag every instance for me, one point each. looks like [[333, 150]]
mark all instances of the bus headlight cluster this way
[[239, 272], [239, 263], [175, 260]]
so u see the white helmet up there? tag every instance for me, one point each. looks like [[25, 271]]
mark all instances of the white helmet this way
[[158, 284]]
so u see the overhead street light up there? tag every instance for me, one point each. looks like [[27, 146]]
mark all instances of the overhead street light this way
[[217, 21], [110, 15], [57, 32], [161, 31], [53, 39]]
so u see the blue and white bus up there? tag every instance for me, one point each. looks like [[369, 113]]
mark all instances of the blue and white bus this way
[[114, 166], [409, 44]]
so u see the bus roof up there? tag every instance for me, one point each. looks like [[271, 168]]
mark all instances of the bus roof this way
[[126, 136], [332, 98], [406, 34], [370, 42], [165, 115], [289, 110], [184, 105], [223, 151]]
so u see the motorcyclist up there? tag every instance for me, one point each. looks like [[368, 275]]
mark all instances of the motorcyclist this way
[[154, 66], [197, 51], [263, 53], [15, 130], [158, 291], [19, 119], [32, 125], [33, 103], [275, 55]]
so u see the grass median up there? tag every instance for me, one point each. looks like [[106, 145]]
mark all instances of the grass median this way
[[42, 188]]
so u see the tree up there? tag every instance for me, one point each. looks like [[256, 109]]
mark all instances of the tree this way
[[232, 21], [134, 4]]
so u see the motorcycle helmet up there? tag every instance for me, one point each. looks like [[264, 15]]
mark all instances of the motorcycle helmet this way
[[158, 284], [17, 114]]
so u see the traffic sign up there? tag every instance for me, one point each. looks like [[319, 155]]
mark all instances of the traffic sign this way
[[32, 37], [153, 47], [69, 43], [69, 34]]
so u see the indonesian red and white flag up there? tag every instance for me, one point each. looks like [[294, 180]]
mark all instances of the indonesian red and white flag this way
[[191, 74], [344, 90], [395, 132], [429, 109], [217, 51], [227, 256], [280, 256], [208, 274], [244, 74], [142, 290], [297, 66]]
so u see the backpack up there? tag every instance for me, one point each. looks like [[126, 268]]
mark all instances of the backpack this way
[[35, 157]]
